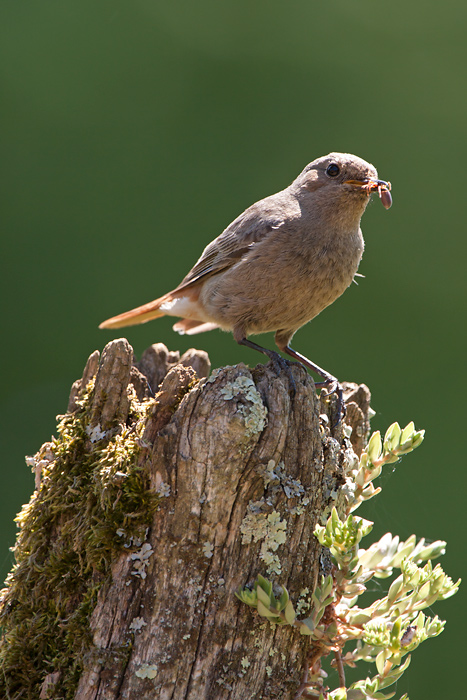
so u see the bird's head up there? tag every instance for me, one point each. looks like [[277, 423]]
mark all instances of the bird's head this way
[[342, 178]]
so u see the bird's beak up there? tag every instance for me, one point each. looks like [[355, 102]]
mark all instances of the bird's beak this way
[[370, 185]]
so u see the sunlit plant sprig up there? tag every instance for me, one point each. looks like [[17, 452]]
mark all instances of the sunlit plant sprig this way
[[378, 452], [386, 631]]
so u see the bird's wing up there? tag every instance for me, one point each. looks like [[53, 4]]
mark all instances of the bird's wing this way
[[244, 233]]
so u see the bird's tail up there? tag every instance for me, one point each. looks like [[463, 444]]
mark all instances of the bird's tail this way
[[188, 326], [141, 314]]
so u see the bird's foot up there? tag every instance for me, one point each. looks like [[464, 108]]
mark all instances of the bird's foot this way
[[280, 364], [331, 383], [333, 386]]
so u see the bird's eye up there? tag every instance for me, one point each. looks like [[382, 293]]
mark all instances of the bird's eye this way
[[333, 170]]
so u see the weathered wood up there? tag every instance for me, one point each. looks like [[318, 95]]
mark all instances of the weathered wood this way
[[243, 472]]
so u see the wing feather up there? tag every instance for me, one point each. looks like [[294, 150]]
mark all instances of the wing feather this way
[[251, 227]]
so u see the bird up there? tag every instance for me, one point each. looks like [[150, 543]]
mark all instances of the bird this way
[[279, 264]]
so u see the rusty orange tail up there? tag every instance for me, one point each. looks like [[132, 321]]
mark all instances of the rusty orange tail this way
[[141, 314]]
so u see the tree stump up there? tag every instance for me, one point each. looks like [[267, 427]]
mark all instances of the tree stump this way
[[163, 494]]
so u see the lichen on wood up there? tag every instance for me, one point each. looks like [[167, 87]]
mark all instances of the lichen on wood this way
[[164, 493]]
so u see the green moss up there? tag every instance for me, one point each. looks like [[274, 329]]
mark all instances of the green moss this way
[[93, 500]]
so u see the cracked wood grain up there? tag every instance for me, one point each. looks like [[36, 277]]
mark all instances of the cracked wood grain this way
[[213, 459], [236, 461]]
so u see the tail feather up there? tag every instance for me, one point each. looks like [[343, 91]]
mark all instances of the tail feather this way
[[141, 314], [188, 326]]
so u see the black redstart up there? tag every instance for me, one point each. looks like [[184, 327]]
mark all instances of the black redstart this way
[[280, 263]]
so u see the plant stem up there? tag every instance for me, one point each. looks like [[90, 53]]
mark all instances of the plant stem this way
[[340, 668]]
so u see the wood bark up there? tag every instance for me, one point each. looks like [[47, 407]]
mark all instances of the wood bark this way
[[244, 470]]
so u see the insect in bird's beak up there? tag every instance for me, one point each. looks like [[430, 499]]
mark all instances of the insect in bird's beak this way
[[371, 185]]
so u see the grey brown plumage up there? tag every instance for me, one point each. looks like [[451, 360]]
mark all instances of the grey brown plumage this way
[[281, 262]]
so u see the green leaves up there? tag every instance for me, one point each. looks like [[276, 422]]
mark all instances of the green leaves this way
[[370, 688], [393, 625], [399, 442], [321, 598], [374, 447], [379, 452], [385, 632], [389, 552], [279, 611]]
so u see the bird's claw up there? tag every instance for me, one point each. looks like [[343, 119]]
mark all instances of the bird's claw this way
[[282, 365], [333, 386]]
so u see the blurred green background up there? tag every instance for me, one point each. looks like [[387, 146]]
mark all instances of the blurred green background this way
[[134, 132]]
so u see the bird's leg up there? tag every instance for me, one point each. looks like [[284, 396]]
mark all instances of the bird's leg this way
[[330, 382], [277, 360]]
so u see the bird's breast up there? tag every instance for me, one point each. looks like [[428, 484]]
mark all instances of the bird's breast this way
[[283, 282]]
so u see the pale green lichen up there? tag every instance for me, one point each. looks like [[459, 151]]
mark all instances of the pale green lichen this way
[[279, 483], [269, 528], [214, 374], [208, 550], [137, 624], [96, 433], [255, 414], [304, 601], [147, 671], [276, 474], [245, 662], [223, 683], [141, 560], [164, 490]]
